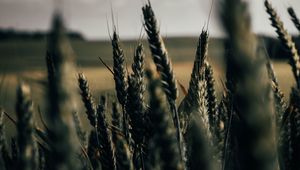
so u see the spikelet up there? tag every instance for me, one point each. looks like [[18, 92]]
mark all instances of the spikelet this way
[[136, 106]]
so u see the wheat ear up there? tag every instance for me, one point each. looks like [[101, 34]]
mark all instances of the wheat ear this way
[[61, 99], [286, 41], [163, 66], [120, 77], [194, 97], [280, 104], [136, 106], [87, 99]]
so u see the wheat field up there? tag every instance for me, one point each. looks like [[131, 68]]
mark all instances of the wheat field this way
[[238, 112]]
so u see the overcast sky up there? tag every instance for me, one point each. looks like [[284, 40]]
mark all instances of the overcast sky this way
[[177, 17]]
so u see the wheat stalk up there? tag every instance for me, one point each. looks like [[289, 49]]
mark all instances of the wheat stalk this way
[[61, 99], [163, 66], [136, 106], [254, 132], [290, 126]]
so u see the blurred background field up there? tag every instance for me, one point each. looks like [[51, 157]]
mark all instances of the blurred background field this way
[[25, 60]]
